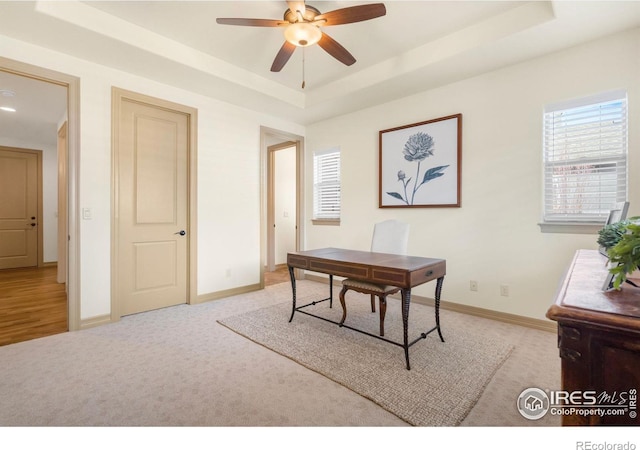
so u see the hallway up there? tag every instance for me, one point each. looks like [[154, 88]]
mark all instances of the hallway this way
[[32, 304], [280, 275]]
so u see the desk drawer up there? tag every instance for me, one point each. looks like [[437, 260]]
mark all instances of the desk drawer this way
[[389, 276], [428, 273], [340, 269]]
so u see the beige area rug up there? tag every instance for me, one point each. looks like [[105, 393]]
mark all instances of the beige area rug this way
[[444, 383]]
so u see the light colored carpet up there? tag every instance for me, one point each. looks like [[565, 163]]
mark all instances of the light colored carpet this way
[[179, 367], [445, 380]]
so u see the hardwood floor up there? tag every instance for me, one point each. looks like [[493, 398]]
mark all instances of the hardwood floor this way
[[280, 275], [32, 304]]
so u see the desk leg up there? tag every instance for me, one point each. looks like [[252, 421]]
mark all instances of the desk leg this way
[[437, 305], [406, 301], [330, 290], [293, 290]]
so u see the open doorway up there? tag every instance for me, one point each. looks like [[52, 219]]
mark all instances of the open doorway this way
[[45, 118], [282, 157]]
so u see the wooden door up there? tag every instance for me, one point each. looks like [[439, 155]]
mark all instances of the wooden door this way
[[152, 212], [19, 221]]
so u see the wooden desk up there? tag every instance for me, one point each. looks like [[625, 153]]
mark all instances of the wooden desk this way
[[404, 272], [598, 338]]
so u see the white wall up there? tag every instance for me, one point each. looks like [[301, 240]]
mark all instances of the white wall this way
[[229, 176], [493, 238]]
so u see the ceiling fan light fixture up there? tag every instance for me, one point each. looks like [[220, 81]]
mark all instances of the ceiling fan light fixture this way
[[302, 34]]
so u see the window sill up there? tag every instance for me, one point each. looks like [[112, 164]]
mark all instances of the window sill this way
[[334, 222], [571, 227]]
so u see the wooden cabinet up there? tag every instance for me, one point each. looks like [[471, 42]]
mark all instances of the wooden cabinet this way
[[599, 342]]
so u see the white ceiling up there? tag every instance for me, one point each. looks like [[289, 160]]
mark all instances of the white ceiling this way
[[40, 108], [416, 46]]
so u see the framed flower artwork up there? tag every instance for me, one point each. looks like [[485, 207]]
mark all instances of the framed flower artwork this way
[[420, 164]]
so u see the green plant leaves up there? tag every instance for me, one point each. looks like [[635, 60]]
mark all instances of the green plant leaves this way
[[625, 255], [611, 234]]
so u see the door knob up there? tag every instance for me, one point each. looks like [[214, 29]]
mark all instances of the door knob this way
[[181, 232], [33, 224]]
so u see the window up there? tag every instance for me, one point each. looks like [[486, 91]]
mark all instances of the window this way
[[585, 159], [326, 186]]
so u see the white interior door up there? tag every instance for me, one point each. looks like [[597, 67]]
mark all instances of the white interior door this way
[[152, 190], [18, 209]]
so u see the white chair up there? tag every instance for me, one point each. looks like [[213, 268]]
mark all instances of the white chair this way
[[390, 236]]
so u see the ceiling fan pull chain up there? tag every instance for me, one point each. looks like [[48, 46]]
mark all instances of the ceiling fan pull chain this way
[[303, 76]]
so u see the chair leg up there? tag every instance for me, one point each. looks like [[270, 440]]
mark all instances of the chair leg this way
[[383, 312], [373, 303], [343, 303]]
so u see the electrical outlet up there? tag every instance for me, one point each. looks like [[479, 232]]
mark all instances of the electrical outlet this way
[[504, 290], [473, 285]]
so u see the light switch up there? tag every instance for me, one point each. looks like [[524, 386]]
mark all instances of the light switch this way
[[86, 213]]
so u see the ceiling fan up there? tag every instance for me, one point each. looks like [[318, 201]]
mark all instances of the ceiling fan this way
[[302, 24]]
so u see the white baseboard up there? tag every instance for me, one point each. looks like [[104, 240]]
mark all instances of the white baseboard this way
[[95, 321], [227, 293]]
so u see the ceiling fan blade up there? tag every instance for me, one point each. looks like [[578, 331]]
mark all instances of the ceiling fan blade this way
[[297, 6], [283, 56], [352, 14], [252, 22], [336, 50]]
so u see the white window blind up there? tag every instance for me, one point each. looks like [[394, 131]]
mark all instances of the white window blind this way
[[326, 184], [585, 158]]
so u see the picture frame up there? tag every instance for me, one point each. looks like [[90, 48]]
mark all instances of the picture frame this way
[[617, 214], [608, 281], [420, 164]]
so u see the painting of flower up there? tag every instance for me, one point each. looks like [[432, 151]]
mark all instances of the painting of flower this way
[[404, 153], [418, 147]]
